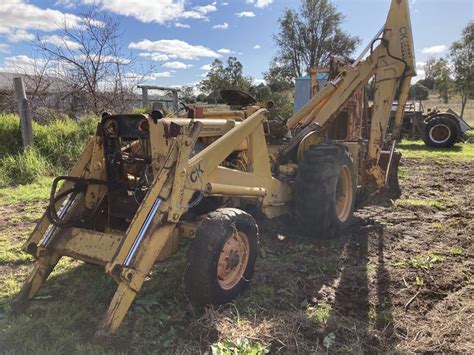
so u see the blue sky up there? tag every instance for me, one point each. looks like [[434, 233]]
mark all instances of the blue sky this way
[[179, 38]]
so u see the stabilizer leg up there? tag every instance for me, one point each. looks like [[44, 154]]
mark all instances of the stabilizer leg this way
[[119, 306], [131, 281], [43, 268]]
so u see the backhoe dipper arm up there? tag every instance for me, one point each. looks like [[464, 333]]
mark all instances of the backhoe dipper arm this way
[[391, 60]]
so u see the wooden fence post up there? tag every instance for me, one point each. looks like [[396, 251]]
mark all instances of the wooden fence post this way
[[24, 112], [144, 97]]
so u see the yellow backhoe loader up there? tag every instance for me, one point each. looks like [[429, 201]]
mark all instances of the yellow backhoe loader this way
[[143, 181]]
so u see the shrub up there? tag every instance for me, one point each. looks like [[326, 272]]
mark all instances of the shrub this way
[[56, 145], [23, 168], [419, 92], [141, 110], [61, 142], [10, 135]]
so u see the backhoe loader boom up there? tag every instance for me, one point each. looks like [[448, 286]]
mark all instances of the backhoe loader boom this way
[[391, 60]]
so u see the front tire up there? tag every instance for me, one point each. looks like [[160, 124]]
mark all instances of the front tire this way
[[221, 259], [325, 190], [440, 132]]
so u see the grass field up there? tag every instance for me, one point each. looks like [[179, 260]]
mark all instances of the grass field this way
[[399, 280], [333, 295]]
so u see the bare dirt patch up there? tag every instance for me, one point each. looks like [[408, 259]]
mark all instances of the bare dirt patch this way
[[399, 280]]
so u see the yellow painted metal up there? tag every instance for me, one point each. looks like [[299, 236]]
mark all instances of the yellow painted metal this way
[[91, 246], [96, 170], [391, 61], [355, 152], [231, 115], [234, 190], [187, 229], [43, 267], [178, 177], [212, 128], [79, 169], [310, 139]]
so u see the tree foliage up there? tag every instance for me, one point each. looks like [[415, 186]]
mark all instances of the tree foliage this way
[[438, 71], [419, 92], [462, 53], [222, 77], [279, 78], [187, 94], [308, 38]]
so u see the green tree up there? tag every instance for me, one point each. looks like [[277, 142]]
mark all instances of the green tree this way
[[261, 92], [278, 77], [429, 80], [283, 103], [187, 94], [419, 92], [462, 54], [222, 77], [308, 38], [441, 74]]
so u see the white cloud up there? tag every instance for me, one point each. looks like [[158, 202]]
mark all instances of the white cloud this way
[[224, 51], [420, 70], [163, 74], [104, 59], [134, 78], [70, 4], [259, 3], [259, 81], [157, 57], [160, 57], [174, 48], [181, 25], [435, 49], [177, 65], [225, 3], [18, 14], [4, 48], [159, 11], [61, 42], [22, 64], [19, 35], [257, 46], [200, 12], [206, 67], [223, 26], [245, 14]]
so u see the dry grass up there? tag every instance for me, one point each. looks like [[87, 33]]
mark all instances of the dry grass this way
[[454, 104]]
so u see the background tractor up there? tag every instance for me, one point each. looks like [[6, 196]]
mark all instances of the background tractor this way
[[438, 129], [143, 181]]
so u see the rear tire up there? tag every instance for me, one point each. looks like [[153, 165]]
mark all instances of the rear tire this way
[[440, 132], [221, 259], [325, 190]]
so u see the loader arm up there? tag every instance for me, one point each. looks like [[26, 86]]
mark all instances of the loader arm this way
[[391, 60]]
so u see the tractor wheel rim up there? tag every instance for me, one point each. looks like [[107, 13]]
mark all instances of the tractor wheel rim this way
[[344, 194], [440, 133], [233, 260]]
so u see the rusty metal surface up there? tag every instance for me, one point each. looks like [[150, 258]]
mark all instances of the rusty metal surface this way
[[94, 247]]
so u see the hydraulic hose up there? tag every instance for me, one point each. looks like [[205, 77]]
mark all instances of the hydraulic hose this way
[[80, 184]]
